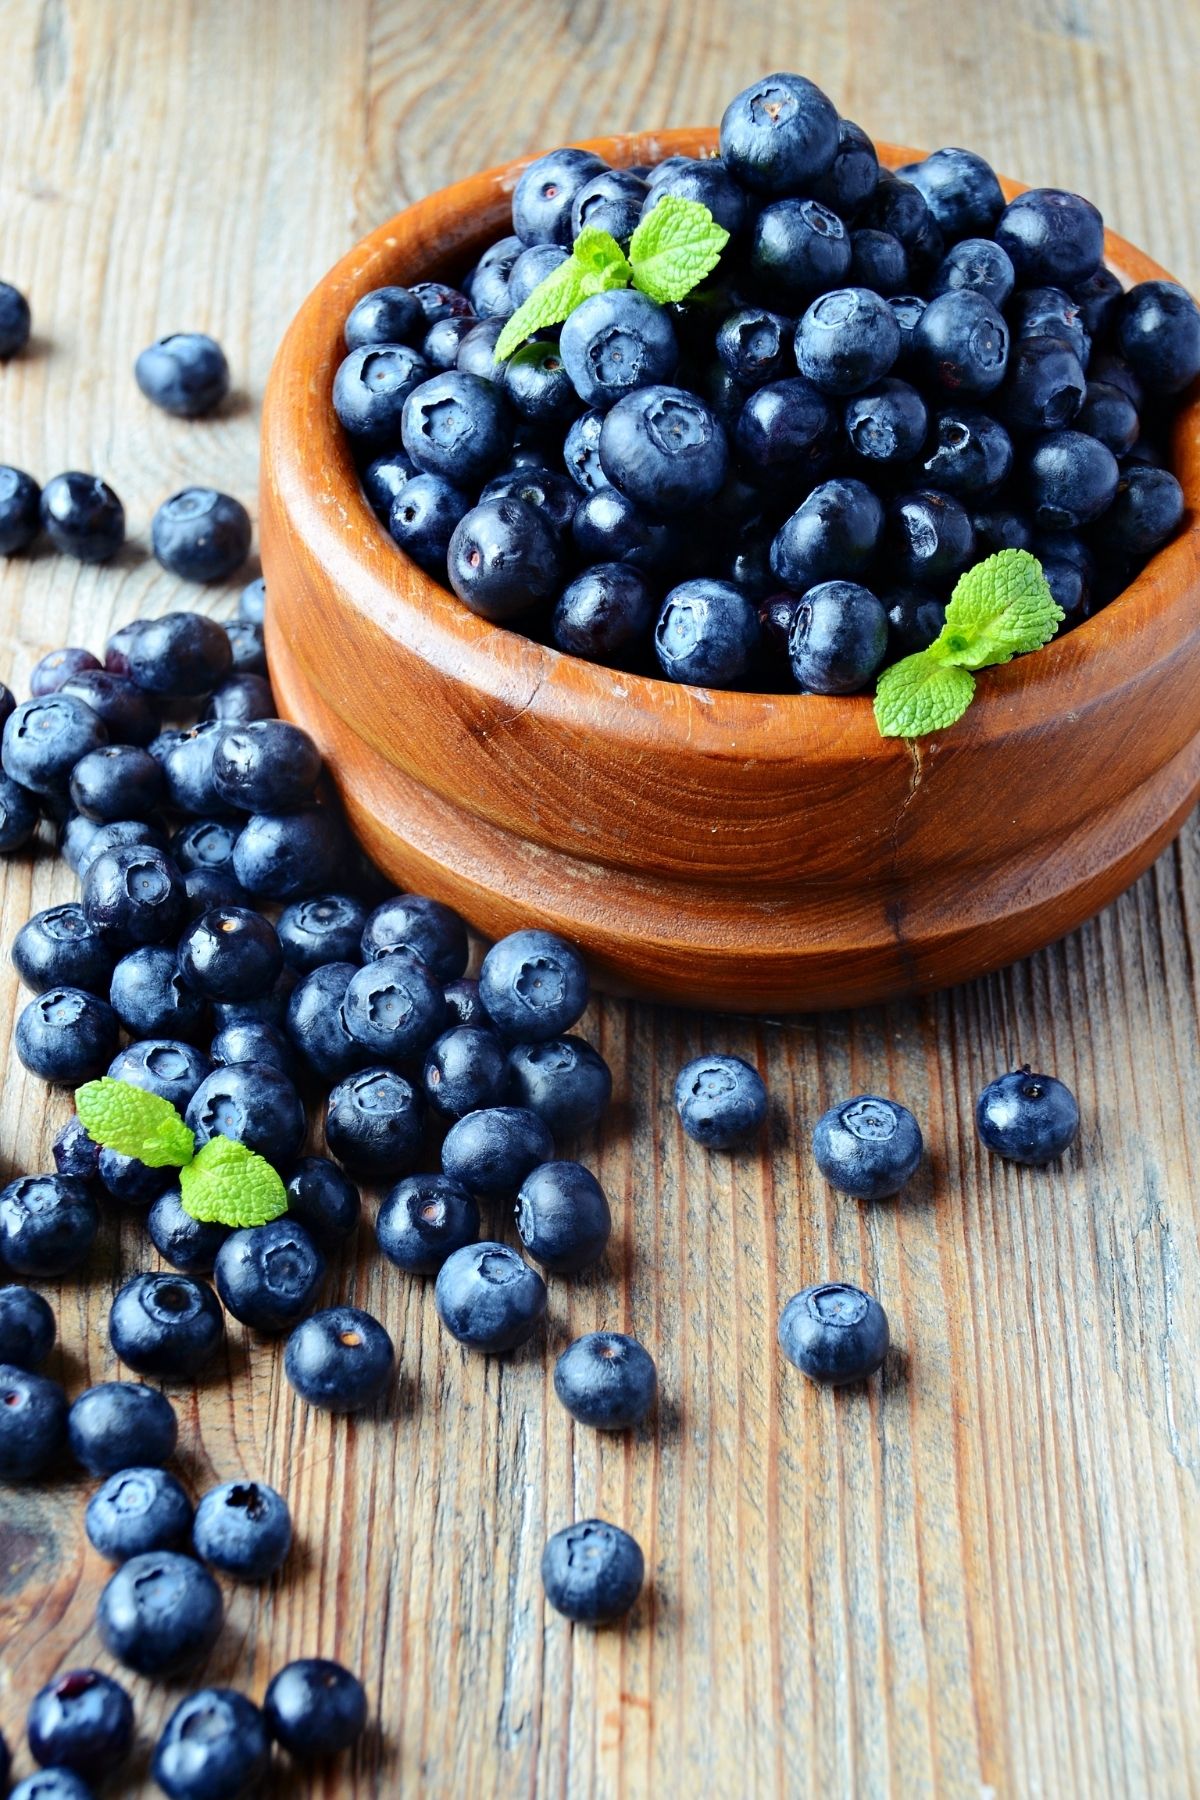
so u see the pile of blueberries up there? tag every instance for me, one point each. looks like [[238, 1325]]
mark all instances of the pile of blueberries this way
[[888, 377]]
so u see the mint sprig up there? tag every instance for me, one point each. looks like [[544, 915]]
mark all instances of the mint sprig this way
[[222, 1183], [674, 248], [1000, 608]]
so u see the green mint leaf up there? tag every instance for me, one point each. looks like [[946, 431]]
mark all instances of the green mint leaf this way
[[674, 247], [919, 694], [596, 263], [1001, 608], [227, 1184], [126, 1118]]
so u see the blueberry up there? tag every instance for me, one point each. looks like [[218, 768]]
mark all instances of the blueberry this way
[[440, 344], [324, 1201], [487, 284], [1109, 415], [53, 670], [186, 374], [545, 195], [244, 1529], [151, 998], [707, 633], [592, 1572], [476, 349], [754, 345], [1045, 385], [533, 985], [129, 1180], [664, 448], [384, 478], [834, 1333], [82, 1721], [581, 452], [961, 342], [423, 1220], [970, 453], [373, 1122], [160, 1613], [531, 269], [205, 844], [371, 388], [847, 339], [1053, 238], [1027, 1118], [254, 1104], [74, 836], [563, 1217], [214, 1746], [1158, 334], [27, 1328], [117, 781], [721, 1101], [181, 654], [19, 814], [976, 264], [906, 310], [465, 1069], [850, 180], [340, 1360], [536, 385], [248, 647], [914, 620], [188, 1244], [44, 739], [129, 716], [488, 1298], [867, 1147], [33, 1423], [20, 512], [564, 1081], [706, 182], [119, 834], [1000, 528], [606, 1380], [1072, 480], [75, 1153], [118, 646], [1146, 512], [327, 928], [253, 1041], [785, 432], [269, 1276], [837, 639], [463, 1005], [394, 1007], [492, 1150], [315, 1708], [137, 1511], [799, 248], [780, 135], [206, 888], [387, 315], [554, 496], [201, 535], [120, 1424], [1049, 312], [82, 517], [52, 1784], [928, 537], [268, 1009], [167, 1326], [456, 426], [611, 201], [960, 190], [607, 527], [439, 301], [504, 558], [315, 1025], [286, 856], [66, 1035], [887, 422], [603, 612], [230, 953], [615, 343], [15, 321], [423, 518], [878, 260], [833, 534], [240, 700], [134, 895]]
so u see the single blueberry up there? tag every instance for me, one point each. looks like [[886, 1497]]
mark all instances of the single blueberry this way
[[488, 1298], [592, 1572], [721, 1101], [340, 1360], [121, 1423], [834, 1333], [606, 1380], [867, 1147], [1027, 1118], [137, 1510]]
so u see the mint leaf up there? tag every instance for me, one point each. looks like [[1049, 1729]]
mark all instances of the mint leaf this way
[[674, 247], [1001, 608], [596, 263], [227, 1184], [126, 1118], [920, 694]]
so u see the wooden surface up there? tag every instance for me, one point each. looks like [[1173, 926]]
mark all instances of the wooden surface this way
[[752, 852], [978, 1577]]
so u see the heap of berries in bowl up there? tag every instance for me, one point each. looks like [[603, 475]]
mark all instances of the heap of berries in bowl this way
[[780, 417]]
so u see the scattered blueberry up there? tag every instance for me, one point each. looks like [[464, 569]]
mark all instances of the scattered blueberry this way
[[188, 1244], [27, 1328], [82, 517], [324, 1201], [33, 1423], [533, 986], [563, 1217], [166, 1326], [185, 373], [340, 1360], [268, 1276], [244, 1529], [48, 1224], [721, 1101], [423, 1220], [136, 1511], [82, 1720], [834, 1333], [1027, 1118], [373, 1122], [20, 512], [315, 1708], [867, 1147], [121, 1423], [15, 321], [488, 1298], [592, 1572]]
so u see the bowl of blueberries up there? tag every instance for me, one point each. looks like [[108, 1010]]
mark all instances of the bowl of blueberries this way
[[602, 491]]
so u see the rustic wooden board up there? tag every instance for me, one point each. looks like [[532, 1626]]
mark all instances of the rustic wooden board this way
[[977, 1576]]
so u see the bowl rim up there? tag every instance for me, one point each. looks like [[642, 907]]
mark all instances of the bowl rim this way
[[315, 480]]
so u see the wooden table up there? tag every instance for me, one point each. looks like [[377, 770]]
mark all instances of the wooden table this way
[[973, 1578]]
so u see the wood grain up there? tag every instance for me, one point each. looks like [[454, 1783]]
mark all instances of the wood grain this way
[[747, 852], [979, 1575]]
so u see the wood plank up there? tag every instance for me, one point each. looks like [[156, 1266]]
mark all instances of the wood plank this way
[[978, 1576]]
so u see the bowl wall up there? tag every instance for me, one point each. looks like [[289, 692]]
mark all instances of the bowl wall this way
[[741, 851]]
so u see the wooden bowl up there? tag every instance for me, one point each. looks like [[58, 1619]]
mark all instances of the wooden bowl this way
[[740, 851]]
